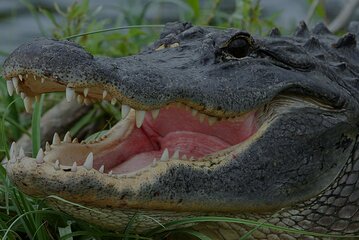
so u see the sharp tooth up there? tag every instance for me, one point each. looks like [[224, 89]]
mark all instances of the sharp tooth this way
[[154, 163], [192, 158], [155, 113], [89, 161], [21, 153], [101, 169], [87, 101], [86, 92], [22, 95], [104, 94], [184, 157], [80, 99], [10, 87], [194, 112], [57, 165], [67, 138], [75, 140], [47, 147], [74, 167], [15, 82], [56, 139], [110, 173], [20, 77], [12, 151], [42, 80], [28, 104], [113, 101], [212, 120], [125, 109], [201, 117], [70, 94], [13, 159], [40, 156], [165, 155], [176, 154], [140, 117]]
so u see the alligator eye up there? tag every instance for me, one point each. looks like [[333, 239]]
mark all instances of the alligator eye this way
[[239, 45]]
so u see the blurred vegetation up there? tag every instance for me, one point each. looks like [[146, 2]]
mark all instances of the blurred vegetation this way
[[22, 217]]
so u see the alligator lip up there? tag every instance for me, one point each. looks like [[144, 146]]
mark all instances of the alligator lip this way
[[174, 132]]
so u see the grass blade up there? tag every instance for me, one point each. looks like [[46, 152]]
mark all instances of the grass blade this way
[[36, 132]]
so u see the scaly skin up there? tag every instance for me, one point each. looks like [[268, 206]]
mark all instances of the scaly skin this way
[[299, 168]]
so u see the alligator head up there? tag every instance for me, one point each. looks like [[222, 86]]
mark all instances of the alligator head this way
[[215, 122]]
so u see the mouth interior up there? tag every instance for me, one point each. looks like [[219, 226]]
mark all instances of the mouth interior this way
[[175, 130]]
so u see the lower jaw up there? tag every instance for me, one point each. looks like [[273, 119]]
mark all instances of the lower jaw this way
[[126, 148]]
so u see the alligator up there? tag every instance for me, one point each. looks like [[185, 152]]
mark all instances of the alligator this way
[[215, 122]]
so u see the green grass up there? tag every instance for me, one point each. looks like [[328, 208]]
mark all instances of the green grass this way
[[23, 217]]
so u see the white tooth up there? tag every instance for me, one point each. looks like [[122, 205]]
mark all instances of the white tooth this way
[[104, 94], [67, 138], [194, 112], [21, 153], [87, 101], [13, 159], [42, 80], [201, 117], [101, 169], [13, 150], [125, 109], [212, 120], [184, 157], [57, 165], [10, 87], [40, 156], [191, 158], [70, 94], [110, 173], [140, 117], [56, 139], [176, 154], [22, 95], [113, 101], [165, 155], [35, 77], [155, 113], [74, 167], [80, 99], [86, 92], [20, 76], [89, 161], [154, 163], [47, 147], [75, 140], [28, 104], [15, 82]]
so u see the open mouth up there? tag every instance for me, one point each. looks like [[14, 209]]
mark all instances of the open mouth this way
[[176, 131]]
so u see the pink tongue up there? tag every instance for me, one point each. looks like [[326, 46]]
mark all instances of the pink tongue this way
[[191, 144]]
